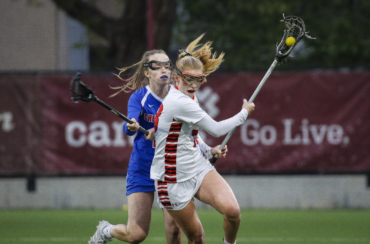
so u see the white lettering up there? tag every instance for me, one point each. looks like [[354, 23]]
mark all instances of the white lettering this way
[[268, 129], [118, 134], [318, 134], [99, 134], [335, 134], [131, 139], [78, 127], [305, 132], [254, 132], [266, 135], [288, 140], [7, 124]]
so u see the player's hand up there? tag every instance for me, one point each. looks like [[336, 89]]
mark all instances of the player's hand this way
[[216, 150], [151, 135], [248, 106], [134, 126]]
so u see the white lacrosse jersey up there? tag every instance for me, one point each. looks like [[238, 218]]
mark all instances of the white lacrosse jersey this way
[[177, 155]]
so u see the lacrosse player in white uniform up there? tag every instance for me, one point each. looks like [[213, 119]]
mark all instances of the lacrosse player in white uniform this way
[[180, 167]]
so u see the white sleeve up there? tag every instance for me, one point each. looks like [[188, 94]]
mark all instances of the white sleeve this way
[[189, 111], [218, 129], [204, 148]]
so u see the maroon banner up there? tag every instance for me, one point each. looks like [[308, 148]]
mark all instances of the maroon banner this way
[[303, 122], [20, 124], [84, 137], [316, 122]]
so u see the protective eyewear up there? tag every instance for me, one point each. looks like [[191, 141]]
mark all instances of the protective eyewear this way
[[191, 79], [154, 65]]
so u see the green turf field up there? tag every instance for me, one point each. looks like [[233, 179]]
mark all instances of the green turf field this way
[[258, 226]]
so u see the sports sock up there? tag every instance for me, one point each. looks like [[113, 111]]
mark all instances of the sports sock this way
[[225, 242], [106, 231]]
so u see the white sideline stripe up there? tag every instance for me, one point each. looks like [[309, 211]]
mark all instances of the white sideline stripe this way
[[163, 239]]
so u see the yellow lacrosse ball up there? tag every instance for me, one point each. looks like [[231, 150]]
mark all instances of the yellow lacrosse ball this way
[[290, 41]]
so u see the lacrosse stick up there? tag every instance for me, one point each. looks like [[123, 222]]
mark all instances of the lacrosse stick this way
[[294, 27], [81, 92]]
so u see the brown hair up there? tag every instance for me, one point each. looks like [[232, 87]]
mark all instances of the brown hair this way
[[138, 79], [202, 58]]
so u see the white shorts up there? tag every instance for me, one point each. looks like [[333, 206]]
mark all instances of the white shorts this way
[[175, 196]]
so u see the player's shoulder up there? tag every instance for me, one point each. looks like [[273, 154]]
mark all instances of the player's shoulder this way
[[180, 100], [174, 92], [140, 95], [141, 92], [184, 99], [173, 95]]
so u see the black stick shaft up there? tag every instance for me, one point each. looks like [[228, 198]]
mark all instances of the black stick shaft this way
[[97, 100]]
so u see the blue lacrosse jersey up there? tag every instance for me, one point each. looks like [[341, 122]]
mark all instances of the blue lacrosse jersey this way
[[142, 105]]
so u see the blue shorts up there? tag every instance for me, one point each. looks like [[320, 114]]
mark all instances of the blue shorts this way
[[137, 184]]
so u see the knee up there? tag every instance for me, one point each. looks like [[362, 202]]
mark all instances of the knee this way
[[131, 235], [196, 238], [173, 229], [136, 237], [233, 213]]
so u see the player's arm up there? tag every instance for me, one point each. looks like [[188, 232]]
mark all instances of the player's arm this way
[[220, 128], [150, 135], [204, 148], [208, 151], [133, 112]]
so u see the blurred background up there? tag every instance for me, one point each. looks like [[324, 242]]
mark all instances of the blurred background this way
[[100, 35], [307, 145]]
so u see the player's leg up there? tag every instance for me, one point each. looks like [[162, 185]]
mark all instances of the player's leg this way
[[139, 216], [215, 191], [188, 220], [172, 229]]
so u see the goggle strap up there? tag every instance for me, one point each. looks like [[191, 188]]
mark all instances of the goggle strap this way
[[186, 53], [178, 71], [151, 66]]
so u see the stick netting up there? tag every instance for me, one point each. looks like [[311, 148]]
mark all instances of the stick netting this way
[[294, 27]]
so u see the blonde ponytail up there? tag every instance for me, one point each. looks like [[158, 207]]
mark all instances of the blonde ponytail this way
[[190, 57]]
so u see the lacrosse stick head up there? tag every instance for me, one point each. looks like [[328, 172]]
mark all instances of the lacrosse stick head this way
[[294, 27], [80, 91]]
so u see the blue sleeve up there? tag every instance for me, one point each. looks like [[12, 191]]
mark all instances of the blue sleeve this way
[[133, 111]]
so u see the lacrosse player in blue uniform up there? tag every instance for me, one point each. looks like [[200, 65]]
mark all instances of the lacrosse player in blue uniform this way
[[151, 82]]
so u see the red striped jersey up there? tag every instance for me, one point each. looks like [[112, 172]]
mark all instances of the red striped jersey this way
[[177, 155]]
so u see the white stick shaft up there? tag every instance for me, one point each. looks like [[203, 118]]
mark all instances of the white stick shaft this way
[[268, 73], [254, 95]]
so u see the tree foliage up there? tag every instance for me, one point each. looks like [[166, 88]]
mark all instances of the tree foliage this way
[[126, 34], [247, 31]]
